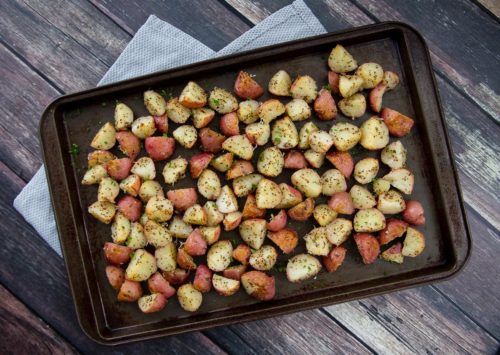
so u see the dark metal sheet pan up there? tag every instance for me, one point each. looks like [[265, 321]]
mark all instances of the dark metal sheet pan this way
[[74, 119]]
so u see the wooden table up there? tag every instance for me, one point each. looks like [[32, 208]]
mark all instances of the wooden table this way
[[49, 48]]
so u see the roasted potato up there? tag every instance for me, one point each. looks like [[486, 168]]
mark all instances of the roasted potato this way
[[298, 110], [338, 231], [259, 285], [116, 254], [391, 80], [159, 209], [202, 117], [341, 61], [345, 135], [394, 228], [161, 123], [141, 266], [268, 194], [144, 127], [248, 111], [398, 124], [333, 81], [290, 196], [128, 143], [99, 157], [184, 260], [414, 213], [375, 97], [214, 217], [179, 229], [294, 159], [380, 186], [353, 106], [342, 161], [242, 253], [324, 215], [366, 170], [277, 222], [116, 276], [177, 112], [124, 116], [244, 185], [341, 202], [186, 135], [264, 258], [393, 254], [258, 133], [232, 220], [209, 185], [253, 232], [369, 220], [324, 106], [317, 242], [284, 134], [152, 303], [320, 141], [394, 155], [307, 181], [362, 198], [229, 124], [334, 259], [314, 159], [155, 103], [250, 210], [159, 148], [130, 291], [302, 267], [222, 101], [189, 298], [104, 138], [211, 234], [156, 234], [219, 255], [391, 202], [192, 96], [234, 272], [280, 84], [350, 84], [144, 168], [368, 247], [120, 229], [371, 73], [223, 162], [305, 88], [239, 168], [195, 244], [332, 181], [240, 146], [246, 87], [174, 170], [374, 134], [302, 211], [130, 207], [166, 257], [176, 277], [108, 190], [136, 238], [401, 179], [158, 284], [149, 189], [414, 243], [304, 134], [225, 286], [270, 110], [227, 202], [286, 239], [203, 279], [210, 140], [198, 163], [195, 214], [271, 162]]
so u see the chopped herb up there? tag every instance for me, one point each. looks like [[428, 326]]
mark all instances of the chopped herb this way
[[215, 101], [398, 216], [74, 150], [327, 87], [165, 134], [234, 241], [253, 250]]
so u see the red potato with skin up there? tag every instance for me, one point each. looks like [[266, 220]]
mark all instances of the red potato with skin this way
[[229, 124], [116, 276], [277, 222], [250, 210], [130, 291], [128, 143], [234, 272], [198, 163], [119, 169], [398, 124], [158, 284], [414, 213], [394, 228], [99, 157], [239, 168], [242, 253], [341, 202], [294, 159], [176, 277], [333, 81], [184, 260], [368, 247], [161, 123], [203, 279], [232, 221], [302, 211], [183, 198], [159, 148], [286, 239], [342, 161], [195, 244], [130, 207], [211, 141], [291, 196], [259, 285], [334, 259], [375, 97], [324, 105], [152, 303], [246, 87]]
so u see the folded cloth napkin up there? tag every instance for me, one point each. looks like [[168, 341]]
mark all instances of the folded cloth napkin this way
[[157, 46]]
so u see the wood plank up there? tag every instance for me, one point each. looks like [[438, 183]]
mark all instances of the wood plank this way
[[491, 5], [45, 289], [23, 332], [209, 21]]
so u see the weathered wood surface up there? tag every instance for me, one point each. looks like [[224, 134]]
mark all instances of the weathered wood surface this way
[[48, 48]]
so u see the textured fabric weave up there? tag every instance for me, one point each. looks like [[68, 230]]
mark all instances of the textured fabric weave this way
[[159, 46]]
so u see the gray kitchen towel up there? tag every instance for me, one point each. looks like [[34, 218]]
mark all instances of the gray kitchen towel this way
[[157, 46]]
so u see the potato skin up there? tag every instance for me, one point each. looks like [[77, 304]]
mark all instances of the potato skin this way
[[211, 141], [130, 291], [414, 213], [159, 148], [302, 211], [128, 143], [324, 105], [198, 163], [118, 169], [246, 87], [116, 276], [277, 222], [152, 303], [286, 239], [158, 284], [368, 247], [341, 202], [342, 161], [229, 124], [398, 124], [195, 245], [259, 285], [334, 259], [183, 198], [394, 228], [242, 253], [130, 207], [203, 279], [294, 159]]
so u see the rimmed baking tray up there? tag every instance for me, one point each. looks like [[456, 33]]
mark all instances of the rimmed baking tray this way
[[74, 119]]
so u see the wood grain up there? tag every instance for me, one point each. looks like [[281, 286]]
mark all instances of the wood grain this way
[[491, 5], [209, 20], [23, 332]]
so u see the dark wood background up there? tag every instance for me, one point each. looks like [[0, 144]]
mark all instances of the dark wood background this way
[[49, 48]]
